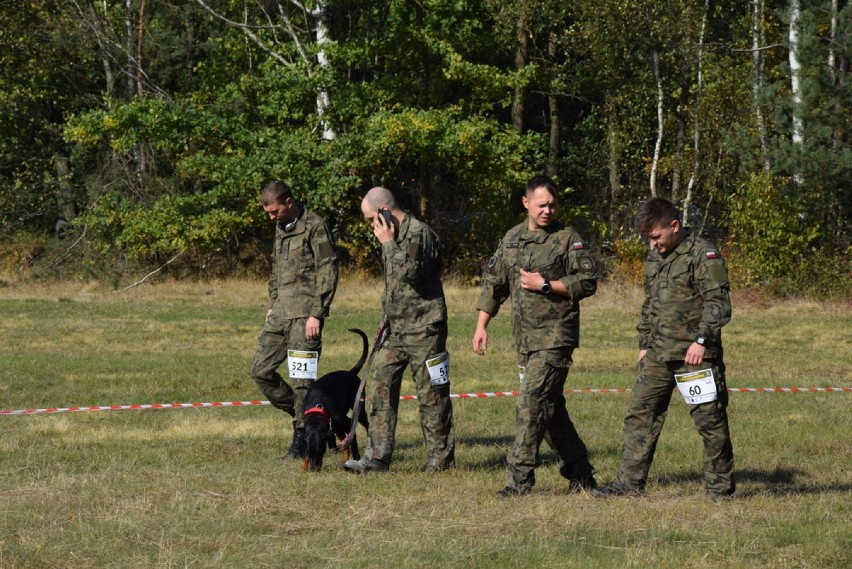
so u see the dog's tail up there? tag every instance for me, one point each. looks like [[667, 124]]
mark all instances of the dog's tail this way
[[363, 359]]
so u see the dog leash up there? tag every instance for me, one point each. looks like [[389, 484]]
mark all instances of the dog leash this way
[[380, 338]]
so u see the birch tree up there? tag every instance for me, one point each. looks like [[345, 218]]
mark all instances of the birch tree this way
[[280, 25], [794, 48]]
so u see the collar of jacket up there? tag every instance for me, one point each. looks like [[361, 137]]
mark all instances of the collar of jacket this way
[[403, 228], [682, 249], [540, 235], [301, 225]]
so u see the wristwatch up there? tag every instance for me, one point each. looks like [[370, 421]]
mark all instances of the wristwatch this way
[[701, 340], [545, 287]]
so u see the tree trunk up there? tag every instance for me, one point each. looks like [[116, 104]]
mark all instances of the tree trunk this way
[[615, 189], [521, 55], [323, 36], [659, 144], [680, 139], [696, 134], [65, 191], [757, 75], [555, 139], [109, 76], [798, 131], [128, 31]]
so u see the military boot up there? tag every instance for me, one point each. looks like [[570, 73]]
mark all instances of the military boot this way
[[297, 446]]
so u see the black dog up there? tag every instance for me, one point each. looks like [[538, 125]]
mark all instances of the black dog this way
[[327, 405]]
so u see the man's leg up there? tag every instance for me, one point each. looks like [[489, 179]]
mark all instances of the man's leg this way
[[646, 415], [711, 421], [384, 401], [270, 354], [434, 403], [298, 342], [533, 414]]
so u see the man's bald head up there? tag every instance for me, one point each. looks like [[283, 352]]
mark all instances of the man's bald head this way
[[378, 198]]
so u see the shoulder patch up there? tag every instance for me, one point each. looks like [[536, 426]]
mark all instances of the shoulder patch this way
[[578, 245], [712, 254]]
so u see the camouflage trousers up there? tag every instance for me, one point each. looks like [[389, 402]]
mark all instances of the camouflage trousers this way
[[541, 414], [277, 336], [646, 414], [411, 349]]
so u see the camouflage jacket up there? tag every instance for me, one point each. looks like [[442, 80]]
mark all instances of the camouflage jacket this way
[[304, 269], [414, 295], [540, 321], [686, 295]]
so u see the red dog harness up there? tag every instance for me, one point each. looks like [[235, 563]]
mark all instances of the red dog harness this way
[[318, 410]]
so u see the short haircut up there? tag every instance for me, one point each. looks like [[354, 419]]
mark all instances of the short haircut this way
[[541, 181], [275, 192], [380, 197], [655, 211]]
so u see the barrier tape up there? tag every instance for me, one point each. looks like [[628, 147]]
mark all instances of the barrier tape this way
[[402, 398]]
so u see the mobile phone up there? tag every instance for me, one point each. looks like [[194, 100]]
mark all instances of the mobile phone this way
[[387, 215]]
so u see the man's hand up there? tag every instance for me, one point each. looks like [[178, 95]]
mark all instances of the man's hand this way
[[313, 328], [694, 355], [531, 281], [641, 355], [480, 336], [480, 341], [383, 230]]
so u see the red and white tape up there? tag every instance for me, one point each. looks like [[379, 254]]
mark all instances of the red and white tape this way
[[486, 394]]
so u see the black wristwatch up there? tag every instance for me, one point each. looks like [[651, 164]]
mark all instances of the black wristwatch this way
[[545, 288], [701, 340]]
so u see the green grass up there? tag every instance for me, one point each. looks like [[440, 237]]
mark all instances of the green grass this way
[[204, 487]]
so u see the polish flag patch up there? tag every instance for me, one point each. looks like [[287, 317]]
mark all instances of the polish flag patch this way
[[578, 246], [712, 255]]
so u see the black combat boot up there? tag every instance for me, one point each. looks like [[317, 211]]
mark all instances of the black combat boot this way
[[297, 446]]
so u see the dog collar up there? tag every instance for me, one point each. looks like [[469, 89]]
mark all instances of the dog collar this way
[[318, 410]]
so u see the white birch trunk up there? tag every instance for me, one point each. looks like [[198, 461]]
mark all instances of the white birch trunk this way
[[659, 145], [797, 134], [323, 34]]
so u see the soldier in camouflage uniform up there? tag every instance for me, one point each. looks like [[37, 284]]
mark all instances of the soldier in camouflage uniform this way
[[546, 269], [301, 288], [414, 305], [686, 304]]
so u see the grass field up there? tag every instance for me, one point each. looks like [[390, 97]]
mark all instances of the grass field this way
[[205, 487]]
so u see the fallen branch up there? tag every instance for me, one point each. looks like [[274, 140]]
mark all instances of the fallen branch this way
[[152, 273]]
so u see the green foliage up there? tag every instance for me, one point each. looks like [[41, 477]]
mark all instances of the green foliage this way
[[171, 125], [769, 231]]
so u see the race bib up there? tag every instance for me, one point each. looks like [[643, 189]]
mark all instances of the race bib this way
[[521, 371], [439, 369], [697, 386], [302, 365]]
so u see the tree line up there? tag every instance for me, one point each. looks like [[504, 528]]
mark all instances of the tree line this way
[[150, 126]]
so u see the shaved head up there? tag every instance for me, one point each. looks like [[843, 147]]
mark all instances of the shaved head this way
[[379, 197]]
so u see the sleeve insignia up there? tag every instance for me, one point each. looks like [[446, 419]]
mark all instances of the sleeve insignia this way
[[711, 255], [578, 245]]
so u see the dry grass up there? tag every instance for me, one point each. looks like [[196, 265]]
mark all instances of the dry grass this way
[[203, 487]]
